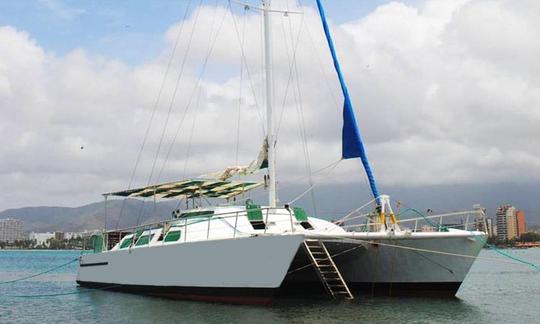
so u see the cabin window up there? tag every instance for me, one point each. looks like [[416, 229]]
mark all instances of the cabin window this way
[[126, 243], [173, 236], [144, 240]]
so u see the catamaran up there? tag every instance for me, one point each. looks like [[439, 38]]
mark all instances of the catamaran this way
[[248, 253]]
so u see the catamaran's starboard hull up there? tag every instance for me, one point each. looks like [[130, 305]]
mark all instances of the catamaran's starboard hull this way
[[244, 270], [397, 268]]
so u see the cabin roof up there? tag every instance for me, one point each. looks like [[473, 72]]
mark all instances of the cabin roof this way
[[190, 188]]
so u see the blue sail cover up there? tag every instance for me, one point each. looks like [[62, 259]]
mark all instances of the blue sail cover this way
[[352, 146]]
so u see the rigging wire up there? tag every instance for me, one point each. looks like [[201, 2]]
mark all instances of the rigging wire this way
[[316, 172], [171, 105], [210, 46], [310, 189], [240, 87], [302, 130], [290, 77], [347, 217], [320, 64], [188, 150], [197, 86], [248, 73], [154, 108]]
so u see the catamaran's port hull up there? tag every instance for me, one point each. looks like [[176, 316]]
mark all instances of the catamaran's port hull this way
[[245, 270], [395, 267], [243, 296]]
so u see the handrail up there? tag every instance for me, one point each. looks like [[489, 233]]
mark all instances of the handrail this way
[[443, 215], [213, 216], [439, 227]]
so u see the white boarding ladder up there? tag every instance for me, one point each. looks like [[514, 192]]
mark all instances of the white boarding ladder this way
[[326, 270]]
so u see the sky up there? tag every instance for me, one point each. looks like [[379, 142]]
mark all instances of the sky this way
[[446, 92]]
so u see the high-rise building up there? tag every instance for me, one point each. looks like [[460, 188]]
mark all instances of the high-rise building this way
[[506, 223], [11, 230], [59, 235], [521, 224], [490, 230]]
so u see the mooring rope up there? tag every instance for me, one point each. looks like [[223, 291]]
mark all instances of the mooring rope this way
[[40, 273], [51, 295]]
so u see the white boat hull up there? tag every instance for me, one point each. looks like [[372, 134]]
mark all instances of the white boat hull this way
[[225, 259], [243, 270]]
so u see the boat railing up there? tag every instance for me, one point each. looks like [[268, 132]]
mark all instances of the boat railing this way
[[472, 220], [109, 238]]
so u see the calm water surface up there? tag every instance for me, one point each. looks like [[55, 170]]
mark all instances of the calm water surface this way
[[492, 293]]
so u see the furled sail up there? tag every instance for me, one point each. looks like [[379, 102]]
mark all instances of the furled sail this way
[[352, 146], [260, 163]]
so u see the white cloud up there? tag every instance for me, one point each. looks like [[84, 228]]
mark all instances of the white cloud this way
[[445, 93]]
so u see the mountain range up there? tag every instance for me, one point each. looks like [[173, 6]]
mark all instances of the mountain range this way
[[332, 202], [89, 217]]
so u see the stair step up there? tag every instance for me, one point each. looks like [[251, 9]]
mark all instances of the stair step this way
[[327, 270]]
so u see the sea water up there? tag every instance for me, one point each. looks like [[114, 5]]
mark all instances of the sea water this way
[[494, 292]]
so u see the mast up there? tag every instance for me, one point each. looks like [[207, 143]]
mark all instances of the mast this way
[[269, 109]]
